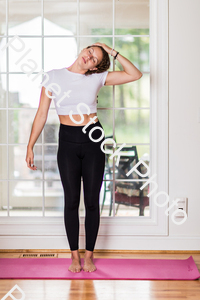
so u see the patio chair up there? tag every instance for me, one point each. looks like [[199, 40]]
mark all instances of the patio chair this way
[[128, 192]]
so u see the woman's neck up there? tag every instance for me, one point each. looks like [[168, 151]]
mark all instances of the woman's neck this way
[[76, 69]]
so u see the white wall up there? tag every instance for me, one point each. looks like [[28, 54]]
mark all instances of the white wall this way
[[184, 104]]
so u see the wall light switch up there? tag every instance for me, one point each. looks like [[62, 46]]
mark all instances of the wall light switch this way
[[182, 204]]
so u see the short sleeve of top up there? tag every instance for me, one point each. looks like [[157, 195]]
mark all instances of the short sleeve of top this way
[[48, 79], [74, 88], [102, 78]]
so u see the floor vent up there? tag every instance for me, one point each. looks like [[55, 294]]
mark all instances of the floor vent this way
[[24, 255], [38, 255], [48, 255]]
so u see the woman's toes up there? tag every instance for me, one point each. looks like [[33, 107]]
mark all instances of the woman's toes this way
[[78, 270], [89, 267], [75, 267], [86, 269]]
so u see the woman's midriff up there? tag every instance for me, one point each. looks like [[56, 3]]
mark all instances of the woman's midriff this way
[[65, 119]]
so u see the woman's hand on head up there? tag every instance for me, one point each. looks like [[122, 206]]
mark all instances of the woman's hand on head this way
[[104, 46], [30, 159]]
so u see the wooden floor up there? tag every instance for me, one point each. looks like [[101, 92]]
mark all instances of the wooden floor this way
[[107, 289]]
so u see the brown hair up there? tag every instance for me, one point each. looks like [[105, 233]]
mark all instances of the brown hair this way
[[104, 65]]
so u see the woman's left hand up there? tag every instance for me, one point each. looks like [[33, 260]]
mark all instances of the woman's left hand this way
[[106, 48]]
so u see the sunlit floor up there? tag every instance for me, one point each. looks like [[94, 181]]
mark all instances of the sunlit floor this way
[[107, 289]]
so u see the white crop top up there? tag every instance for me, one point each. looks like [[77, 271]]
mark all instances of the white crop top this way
[[69, 89]]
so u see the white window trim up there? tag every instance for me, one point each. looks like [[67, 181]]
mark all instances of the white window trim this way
[[157, 224]]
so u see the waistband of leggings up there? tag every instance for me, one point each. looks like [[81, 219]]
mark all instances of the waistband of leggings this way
[[80, 127], [75, 134]]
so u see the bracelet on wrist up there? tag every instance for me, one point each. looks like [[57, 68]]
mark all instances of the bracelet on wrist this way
[[116, 55]]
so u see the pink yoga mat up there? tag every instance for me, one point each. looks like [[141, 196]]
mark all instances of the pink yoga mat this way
[[121, 269]]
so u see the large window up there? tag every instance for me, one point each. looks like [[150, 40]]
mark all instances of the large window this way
[[56, 31]]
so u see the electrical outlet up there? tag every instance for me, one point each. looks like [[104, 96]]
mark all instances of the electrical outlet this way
[[182, 204]]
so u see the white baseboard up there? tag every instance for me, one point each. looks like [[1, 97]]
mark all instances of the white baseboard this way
[[103, 242]]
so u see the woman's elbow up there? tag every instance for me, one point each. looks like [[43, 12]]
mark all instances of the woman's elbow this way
[[137, 77], [140, 75]]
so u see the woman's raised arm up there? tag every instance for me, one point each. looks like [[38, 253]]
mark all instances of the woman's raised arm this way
[[38, 125], [130, 72]]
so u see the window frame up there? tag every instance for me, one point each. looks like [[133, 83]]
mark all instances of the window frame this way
[[157, 223]]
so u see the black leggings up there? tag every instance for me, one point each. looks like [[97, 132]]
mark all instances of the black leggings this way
[[79, 156]]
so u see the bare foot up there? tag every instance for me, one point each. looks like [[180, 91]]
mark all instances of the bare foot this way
[[88, 262], [75, 267]]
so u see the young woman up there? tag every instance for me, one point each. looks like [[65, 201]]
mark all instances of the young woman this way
[[78, 155]]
